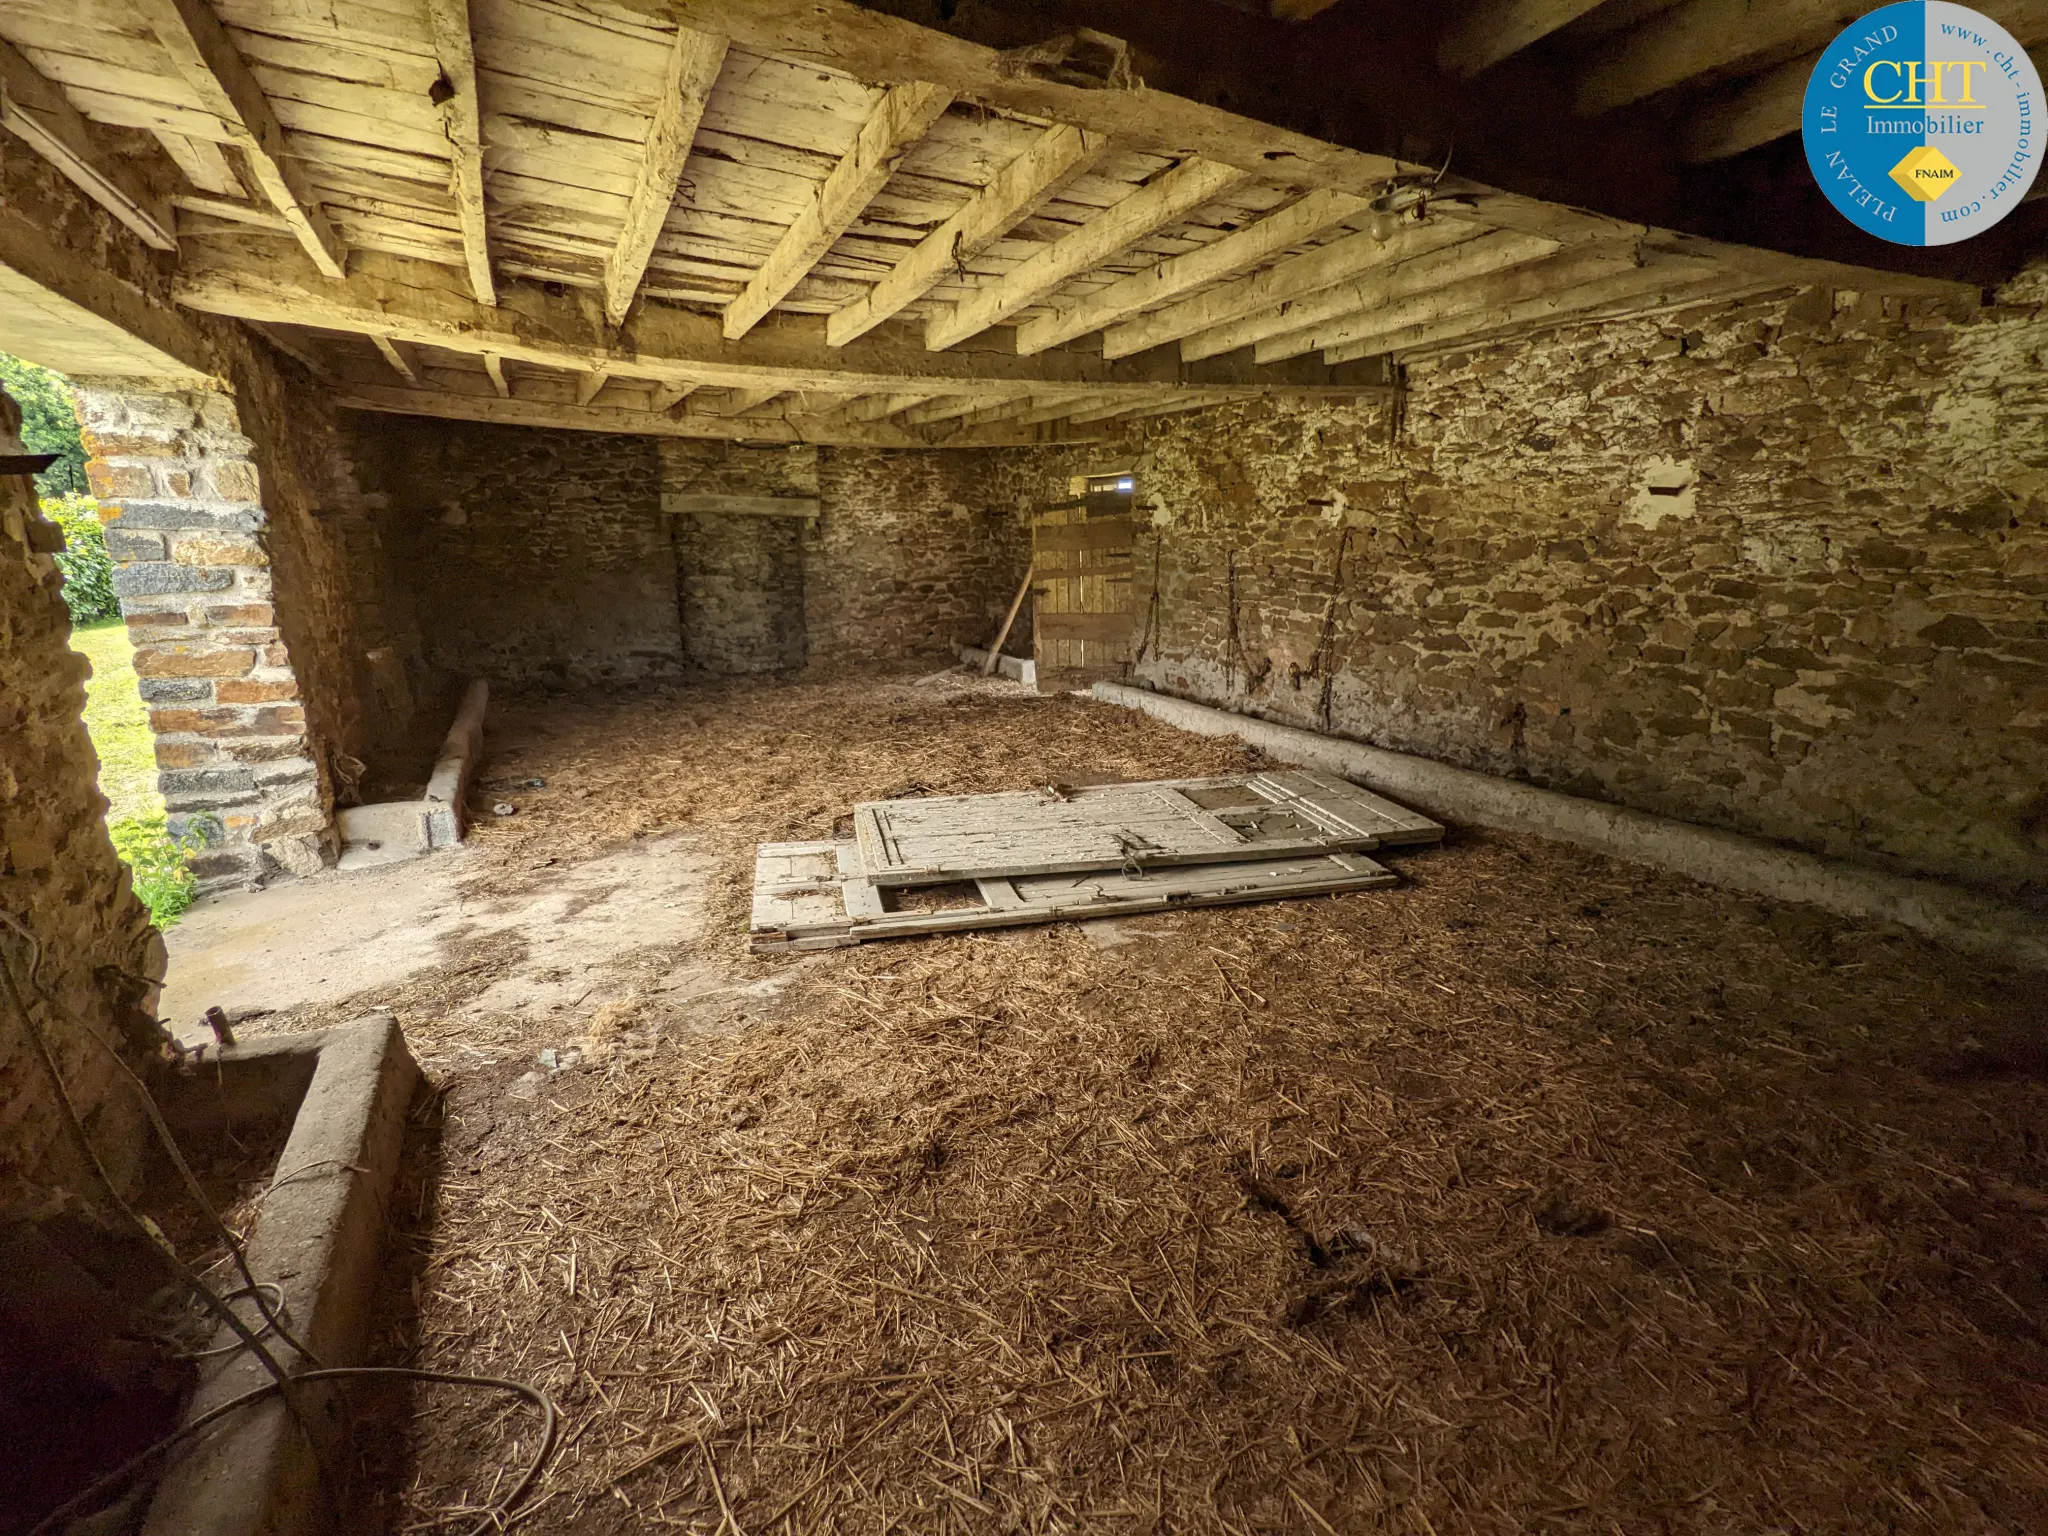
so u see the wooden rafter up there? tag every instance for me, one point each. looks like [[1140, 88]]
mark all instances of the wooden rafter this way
[[898, 121], [427, 304], [1433, 301], [400, 363], [1169, 197], [1768, 107], [202, 162], [950, 408], [693, 66], [36, 112], [1492, 30], [1697, 36], [1306, 216], [1016, 192], [263, 217], [1284, 283], [1509, 299], [205, 56], [738, 402], [463, 121], [1293, 328]]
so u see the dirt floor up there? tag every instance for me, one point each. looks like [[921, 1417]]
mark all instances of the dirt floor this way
[[1540, 1192]]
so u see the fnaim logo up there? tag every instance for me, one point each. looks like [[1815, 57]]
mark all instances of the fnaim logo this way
[[1924, 123]]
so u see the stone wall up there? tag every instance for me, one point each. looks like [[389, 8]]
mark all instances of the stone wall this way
[[917, 553], [545, 558], [1780, 567], [76, 944], [530, 556]]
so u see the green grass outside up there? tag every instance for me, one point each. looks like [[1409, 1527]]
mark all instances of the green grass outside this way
[[118, 722]]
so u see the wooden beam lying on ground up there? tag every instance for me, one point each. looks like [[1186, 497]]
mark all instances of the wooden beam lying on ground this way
[[1308, 216], [427, 304], [1291, 329], [693, 66], [1168, 198], [1697, 36], [205, 55], [1017, 191], [1292, 279], [35, 111], [1404, 328], [1492, 30], [455, 50], [898, 121]]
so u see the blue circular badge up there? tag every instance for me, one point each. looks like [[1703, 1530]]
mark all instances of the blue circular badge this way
[[1924, 123]]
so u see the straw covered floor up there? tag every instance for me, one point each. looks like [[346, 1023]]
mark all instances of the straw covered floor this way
[[1540, 1192]]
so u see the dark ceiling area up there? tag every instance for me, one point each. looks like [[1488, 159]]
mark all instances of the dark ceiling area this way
[[1632, 109]]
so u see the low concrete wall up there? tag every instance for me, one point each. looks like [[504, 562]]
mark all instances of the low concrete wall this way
[[1959, 918]]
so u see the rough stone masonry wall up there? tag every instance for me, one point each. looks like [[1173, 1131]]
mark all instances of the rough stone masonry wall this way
[[546, 558], [95, 956], [531, 556], [1780, 567], [916, 553]]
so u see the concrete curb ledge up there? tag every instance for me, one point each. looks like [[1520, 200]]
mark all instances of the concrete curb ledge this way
[[1018, 669], [320, 1236], [1959, 918]]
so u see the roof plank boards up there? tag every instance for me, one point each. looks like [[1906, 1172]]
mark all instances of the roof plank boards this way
[[205, 55], [37, 113]]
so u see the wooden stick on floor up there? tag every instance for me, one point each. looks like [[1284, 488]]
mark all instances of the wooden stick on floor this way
[[995, 651]]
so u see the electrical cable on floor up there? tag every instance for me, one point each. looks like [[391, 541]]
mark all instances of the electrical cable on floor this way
[[492, 1518], [76, 1127], [282, 1383]]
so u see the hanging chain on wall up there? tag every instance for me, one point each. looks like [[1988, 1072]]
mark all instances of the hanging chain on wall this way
[[1322, 661], [1151, 632]]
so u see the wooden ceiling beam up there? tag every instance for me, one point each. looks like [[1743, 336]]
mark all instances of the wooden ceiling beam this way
[[1700, 36], [1525, 281], [1768, 107], [950, 408], [692, 69], [428, 304], [462, 120], [1299, 319], [898, 121], [454, 404], [888, 50], [1286, 282], [1307, 216], [1492, 30], [37, 112], [1508, 304], [1015, 193], [205, 55], [1165, 200], [737, 402]]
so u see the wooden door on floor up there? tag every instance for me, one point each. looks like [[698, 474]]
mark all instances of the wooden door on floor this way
[[1084, 616]]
